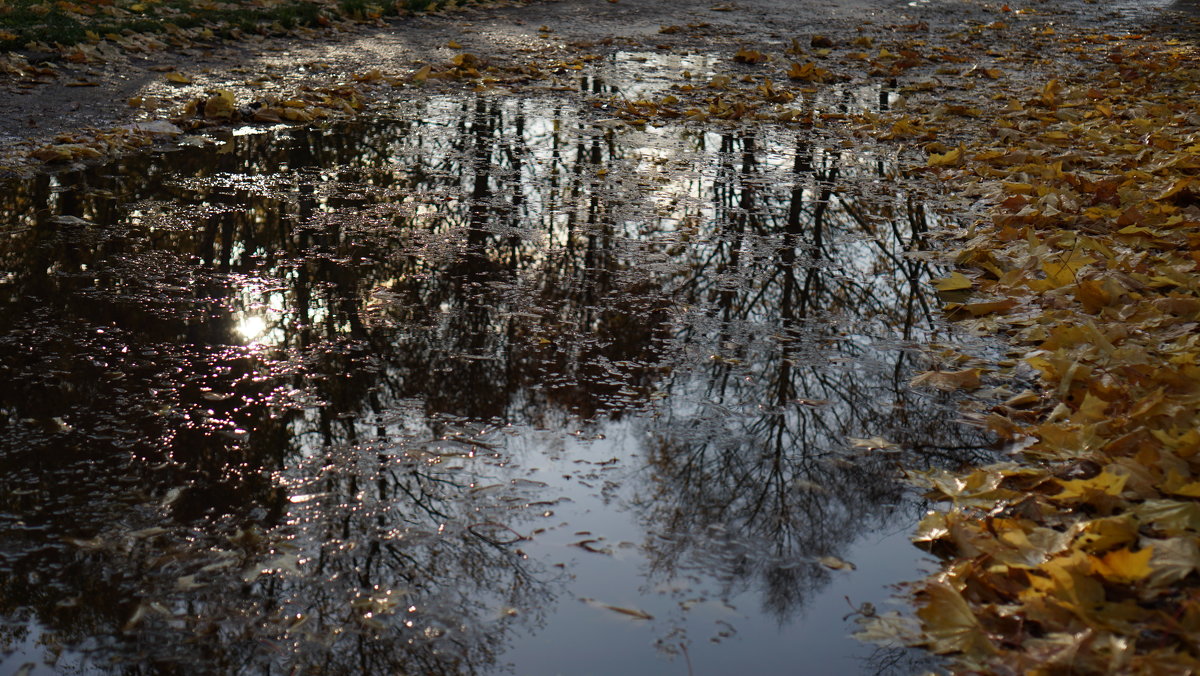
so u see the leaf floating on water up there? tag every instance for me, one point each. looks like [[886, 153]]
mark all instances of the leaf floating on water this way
[[587, 546], [629, 612], [632, 612], [891, 630], [136, 618], [836, 563], [812, 402], [1104, 484], [289, 563], [188, 583], [980, 309], [173, 495], [423, 74], [70, 220], [1173, 560], [809, 72], [955, 282], [874, 443], [948, 381], [148, 532], [93, 543]]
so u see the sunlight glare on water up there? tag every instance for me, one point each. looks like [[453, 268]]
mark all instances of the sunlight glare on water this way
[[252, 328], [488, 386]]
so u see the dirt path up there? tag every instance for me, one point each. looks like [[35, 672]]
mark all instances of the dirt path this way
[[71, 97]]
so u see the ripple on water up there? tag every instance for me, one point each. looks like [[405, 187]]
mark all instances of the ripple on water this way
[[491, 382]]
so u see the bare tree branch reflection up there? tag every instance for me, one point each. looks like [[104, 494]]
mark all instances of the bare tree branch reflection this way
[[258, 404]]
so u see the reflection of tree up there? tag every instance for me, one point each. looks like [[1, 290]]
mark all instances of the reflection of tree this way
[[806, 293], [131, 390], [414, 283]]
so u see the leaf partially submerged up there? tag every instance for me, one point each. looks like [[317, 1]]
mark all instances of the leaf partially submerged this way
[[948, 381], [835, 563], [622, 610], [955, 282]]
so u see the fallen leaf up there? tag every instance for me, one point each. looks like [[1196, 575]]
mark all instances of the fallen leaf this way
[[1124, 565], [948, 623], [948, 159], [836, 563], [947, 381], [955, 282]]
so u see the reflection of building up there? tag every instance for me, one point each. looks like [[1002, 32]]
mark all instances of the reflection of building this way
[[262, 344]]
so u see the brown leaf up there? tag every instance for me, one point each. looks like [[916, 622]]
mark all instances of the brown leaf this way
[[949, 624], [948, 381]]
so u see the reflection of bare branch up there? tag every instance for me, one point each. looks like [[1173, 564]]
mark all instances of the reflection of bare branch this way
[[486, 262]]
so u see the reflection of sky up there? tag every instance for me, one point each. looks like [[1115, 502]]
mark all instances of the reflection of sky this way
[[367, 282], [723, 634], [676, 175]]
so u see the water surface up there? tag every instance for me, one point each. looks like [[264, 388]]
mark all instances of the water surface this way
[[491, 385]]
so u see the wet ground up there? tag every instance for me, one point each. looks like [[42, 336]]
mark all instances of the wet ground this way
[[94, 95], [485, 384]]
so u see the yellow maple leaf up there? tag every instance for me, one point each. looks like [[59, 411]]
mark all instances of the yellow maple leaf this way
[[808, 71], [1103, 534], [947, 159], [955, 282], [220, 105], [1104, 483], [1124, 565]]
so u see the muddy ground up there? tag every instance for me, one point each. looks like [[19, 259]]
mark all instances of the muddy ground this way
[[32, 111]]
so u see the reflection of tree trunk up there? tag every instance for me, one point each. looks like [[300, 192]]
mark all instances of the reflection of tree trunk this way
[[482, 132], [516, 151], [814, 278]]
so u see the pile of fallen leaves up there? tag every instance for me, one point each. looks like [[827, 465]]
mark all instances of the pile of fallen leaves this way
[[1081, 554]]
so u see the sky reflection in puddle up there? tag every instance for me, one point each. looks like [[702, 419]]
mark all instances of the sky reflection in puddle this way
[[491, 383]]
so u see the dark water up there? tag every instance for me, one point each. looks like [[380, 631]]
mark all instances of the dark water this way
[[435, 394]]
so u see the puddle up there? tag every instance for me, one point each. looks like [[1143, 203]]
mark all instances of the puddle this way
[[625, 76], [493, 386]]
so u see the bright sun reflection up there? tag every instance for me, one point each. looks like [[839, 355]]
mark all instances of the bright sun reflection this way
[[252, 327]]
